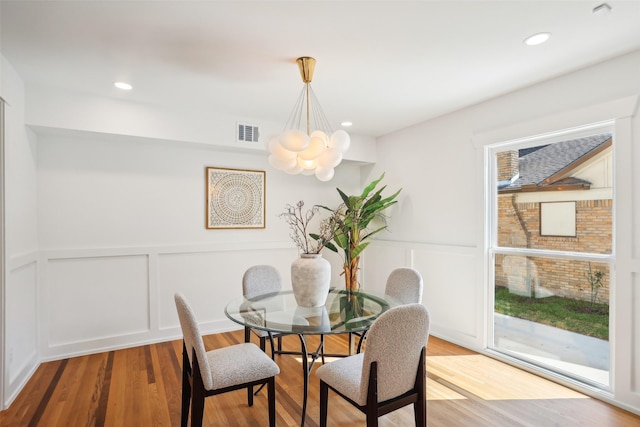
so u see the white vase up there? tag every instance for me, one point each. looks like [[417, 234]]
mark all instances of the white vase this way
[[310, 280], [318, 317]]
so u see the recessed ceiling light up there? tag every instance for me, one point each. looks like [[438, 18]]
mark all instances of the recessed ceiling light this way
[[537, 39], [346, 124], [123, 85]]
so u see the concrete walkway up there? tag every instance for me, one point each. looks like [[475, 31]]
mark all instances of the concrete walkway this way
[[567, 351]]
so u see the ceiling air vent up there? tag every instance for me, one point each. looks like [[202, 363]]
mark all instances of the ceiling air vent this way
[[248, 133]]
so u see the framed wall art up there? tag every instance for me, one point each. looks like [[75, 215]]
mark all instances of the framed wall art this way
[[235, 198]]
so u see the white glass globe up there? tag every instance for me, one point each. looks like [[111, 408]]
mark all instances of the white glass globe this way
[[282, 164], [279, 151], [316, 145], [322, 135], [272, 142], [307, 164], [294, 140], [308, 171], [324, 174], [330, 158], [341, 140], [294, 170]]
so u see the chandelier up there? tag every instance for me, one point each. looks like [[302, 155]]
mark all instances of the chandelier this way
[[304, 146]]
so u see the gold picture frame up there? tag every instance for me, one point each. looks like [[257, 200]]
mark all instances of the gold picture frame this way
[[235, 198]]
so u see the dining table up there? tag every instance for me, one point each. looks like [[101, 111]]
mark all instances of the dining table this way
[[345, 311]]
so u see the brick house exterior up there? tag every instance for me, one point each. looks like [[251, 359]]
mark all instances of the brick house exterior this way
[[555, 173]]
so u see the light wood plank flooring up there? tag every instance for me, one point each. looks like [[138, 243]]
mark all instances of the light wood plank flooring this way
[[141, 387]]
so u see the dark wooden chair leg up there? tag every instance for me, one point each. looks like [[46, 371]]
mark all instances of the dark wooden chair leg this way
[[372, 397], [198, 395], [186, 388], [273, 347], [197, 409], [247, 338], [324, 400], [271, 390], [420, 412], [420, 407], [250, 395]]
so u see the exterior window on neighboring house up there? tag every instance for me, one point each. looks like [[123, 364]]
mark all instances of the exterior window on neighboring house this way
[[552, 254]]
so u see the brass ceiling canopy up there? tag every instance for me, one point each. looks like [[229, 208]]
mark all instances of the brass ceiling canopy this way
[[307, 65]]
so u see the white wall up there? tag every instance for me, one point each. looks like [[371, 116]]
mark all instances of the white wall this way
[[438, 225], [121, 226], [106, 221], [19, 311]]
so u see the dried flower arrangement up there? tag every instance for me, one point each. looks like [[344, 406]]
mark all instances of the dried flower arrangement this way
[[299, 221]]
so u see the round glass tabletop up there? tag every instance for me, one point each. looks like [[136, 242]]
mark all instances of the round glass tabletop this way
[[344, 311]]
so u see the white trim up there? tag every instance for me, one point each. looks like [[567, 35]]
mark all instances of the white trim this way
[[612, 116], [580, 256], [493, 246], [152, 330], [569, 122], [50, 254], [622, 294], [3, 269], [17, 261]]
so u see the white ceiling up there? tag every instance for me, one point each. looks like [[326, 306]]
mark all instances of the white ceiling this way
[[383, 65]]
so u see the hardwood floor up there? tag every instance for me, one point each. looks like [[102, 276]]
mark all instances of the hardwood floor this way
[[141, 387]]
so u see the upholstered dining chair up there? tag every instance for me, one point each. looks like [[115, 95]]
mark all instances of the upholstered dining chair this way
[[405, 285], [259, 280], [389, 374], [208, 373]]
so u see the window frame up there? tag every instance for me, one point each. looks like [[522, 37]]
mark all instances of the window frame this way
[[491, 237]]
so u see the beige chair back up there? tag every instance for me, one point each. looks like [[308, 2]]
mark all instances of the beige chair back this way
[[193, 339], [395, 342], [405, 285], [260, 280]]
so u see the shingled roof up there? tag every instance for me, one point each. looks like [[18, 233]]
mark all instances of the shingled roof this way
[[548, 167]]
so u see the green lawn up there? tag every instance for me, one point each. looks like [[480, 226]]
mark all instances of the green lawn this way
[[572, 315]]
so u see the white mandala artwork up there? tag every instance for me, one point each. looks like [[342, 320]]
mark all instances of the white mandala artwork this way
[[235, 198]]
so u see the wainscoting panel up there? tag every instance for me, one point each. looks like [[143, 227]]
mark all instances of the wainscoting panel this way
[[452, 287], [91, 298], [635, 333], [210, 280], [102, 299], [108, 298], [379, 260], [451, 290], [21, 324]]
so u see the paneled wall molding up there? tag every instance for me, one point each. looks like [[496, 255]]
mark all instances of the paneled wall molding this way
[[424, 245], [163, 250], [17, 261], [18, 379], [102, 299], [446, 270], [81, 348]]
